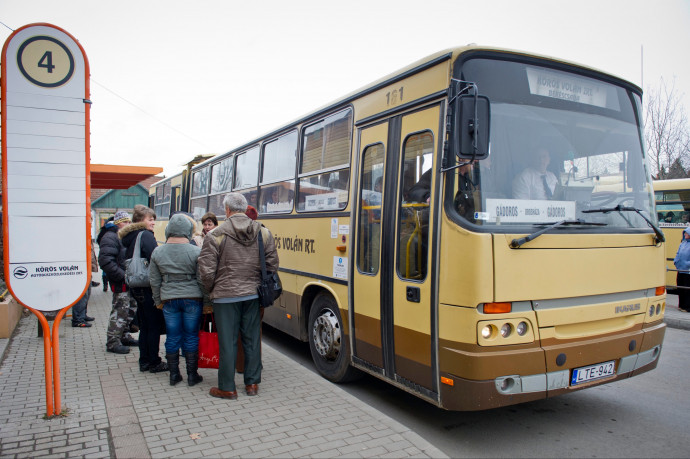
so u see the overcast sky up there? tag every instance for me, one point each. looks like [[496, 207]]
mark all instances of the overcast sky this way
[[172, 79]]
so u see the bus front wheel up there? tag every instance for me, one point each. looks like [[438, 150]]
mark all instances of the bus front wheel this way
[[330, 349]]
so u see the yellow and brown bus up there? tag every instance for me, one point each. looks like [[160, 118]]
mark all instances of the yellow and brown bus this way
[[673, 212], [405, 252]]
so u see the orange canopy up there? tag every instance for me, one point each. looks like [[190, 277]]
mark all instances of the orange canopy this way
[[120, 177]]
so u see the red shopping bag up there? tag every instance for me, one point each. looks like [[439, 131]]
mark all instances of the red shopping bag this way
[[209, 350]]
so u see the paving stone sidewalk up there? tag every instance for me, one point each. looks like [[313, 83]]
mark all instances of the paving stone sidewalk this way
[[113, 410]]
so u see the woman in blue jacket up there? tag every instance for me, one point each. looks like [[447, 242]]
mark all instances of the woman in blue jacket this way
[[682, 262]]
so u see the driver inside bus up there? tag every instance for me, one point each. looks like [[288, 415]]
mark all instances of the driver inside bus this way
[[464, 198], [536, 182]]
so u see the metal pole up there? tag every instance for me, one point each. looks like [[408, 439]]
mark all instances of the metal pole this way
[[47, 355], [56, 359]]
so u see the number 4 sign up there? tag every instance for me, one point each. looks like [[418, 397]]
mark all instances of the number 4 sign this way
[[45, 167], [45, 177]]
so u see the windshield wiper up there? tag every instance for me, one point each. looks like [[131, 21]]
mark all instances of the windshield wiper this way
[[516, 243], [659, 235]]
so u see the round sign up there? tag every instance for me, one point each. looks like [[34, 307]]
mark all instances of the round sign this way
[[45, 61]]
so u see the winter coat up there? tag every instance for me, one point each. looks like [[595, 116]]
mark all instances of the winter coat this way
[[682, 260], [128, 235], [173, 268], [229, 264], [147, 245], [111, 256]]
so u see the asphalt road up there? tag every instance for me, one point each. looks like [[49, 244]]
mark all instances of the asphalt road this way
[[645, 416]]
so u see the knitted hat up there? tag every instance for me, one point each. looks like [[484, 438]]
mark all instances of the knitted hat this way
[[121, 216]]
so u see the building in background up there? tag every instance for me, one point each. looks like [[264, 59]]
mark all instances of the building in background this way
[[104, 202]]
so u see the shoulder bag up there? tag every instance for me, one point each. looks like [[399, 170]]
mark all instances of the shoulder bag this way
[[137, 268], [270, 287]]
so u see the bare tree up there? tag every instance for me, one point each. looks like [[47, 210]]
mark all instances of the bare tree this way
[[666, 131]]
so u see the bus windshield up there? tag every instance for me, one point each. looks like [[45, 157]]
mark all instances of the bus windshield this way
[[561, 143]]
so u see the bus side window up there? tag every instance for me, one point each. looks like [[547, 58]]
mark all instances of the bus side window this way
[[413, 212], [369, 226]]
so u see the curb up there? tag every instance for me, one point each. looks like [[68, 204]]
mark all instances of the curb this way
[[679, 324]]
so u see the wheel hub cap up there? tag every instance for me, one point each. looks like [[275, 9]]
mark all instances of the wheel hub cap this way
[[326, 335]]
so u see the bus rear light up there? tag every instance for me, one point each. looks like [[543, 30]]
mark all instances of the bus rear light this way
[[660, 291], [497, 308]]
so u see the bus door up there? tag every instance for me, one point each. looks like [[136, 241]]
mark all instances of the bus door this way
[[394, 323]]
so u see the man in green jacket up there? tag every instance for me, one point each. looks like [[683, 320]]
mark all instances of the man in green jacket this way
[[230, 270]]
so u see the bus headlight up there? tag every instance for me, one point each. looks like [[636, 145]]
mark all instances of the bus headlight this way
[[503, 332], [521, 328]]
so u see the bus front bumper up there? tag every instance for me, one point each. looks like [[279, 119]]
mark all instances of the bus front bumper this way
[[469, 395]]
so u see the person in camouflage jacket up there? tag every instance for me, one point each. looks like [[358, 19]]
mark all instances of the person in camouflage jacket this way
[[111, 257]]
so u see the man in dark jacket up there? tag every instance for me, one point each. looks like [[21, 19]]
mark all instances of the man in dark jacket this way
[[111, 257]]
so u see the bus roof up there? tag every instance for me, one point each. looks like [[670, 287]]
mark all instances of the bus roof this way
[[417, 66], [165, 179], [673, 184]]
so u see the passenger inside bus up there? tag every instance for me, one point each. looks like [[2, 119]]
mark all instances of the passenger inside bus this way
[[370, 222], [375, 199], [536, 181], [421, 191], [378, 186]]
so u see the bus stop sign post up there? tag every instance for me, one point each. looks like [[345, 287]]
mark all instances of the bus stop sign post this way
[[46, 206]]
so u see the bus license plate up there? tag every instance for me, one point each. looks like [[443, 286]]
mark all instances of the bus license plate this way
[[592, 372]]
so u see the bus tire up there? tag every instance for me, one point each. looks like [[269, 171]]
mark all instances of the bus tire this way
[[329, 345]]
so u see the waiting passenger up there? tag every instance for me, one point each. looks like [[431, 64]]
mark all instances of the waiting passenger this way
[[176, 290], [209, 222], [536, 182], [151, 321], [682, 263]]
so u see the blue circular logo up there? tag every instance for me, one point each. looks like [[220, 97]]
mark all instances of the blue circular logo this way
[[20, 272]]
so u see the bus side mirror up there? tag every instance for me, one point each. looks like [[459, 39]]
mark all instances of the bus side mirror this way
[[471, 133]]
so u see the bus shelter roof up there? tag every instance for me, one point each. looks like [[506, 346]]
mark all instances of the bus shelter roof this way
[[113, 177]]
